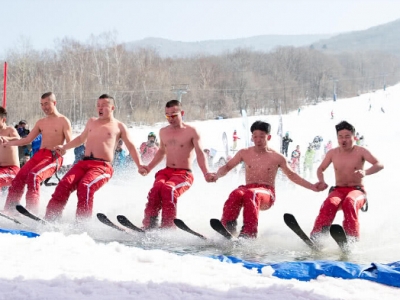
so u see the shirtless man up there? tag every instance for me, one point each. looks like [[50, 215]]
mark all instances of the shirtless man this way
[[55, 129], [349, 195], [262, 164], [88, 175], [9, 161], [177, 141]]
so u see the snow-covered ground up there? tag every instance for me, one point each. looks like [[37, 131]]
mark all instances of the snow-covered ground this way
[[101, 263]]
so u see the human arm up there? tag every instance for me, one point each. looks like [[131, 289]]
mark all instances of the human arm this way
[[201, 158], [16, 141], [232, 163], [12, 134], [296, 178], [77, 141], [376, 165], [67, 130], [126, 138], [323, 166]]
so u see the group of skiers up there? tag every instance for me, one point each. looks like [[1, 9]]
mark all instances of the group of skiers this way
[[312, 155]]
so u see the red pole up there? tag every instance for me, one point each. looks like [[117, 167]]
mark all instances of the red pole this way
[[5, 85]]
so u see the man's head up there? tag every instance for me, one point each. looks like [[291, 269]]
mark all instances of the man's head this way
[[345, 134], [345, 126], [48, 103], [174, 112], [105, 106], [3, 115], [260, 133]]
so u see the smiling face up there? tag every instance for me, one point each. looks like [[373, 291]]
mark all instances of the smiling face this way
[[48, 105], [105, 108]]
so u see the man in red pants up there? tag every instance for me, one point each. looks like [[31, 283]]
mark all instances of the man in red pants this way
[[177, 142], [262, 164], [55, 129], [9, 162], [100, 136], [348, 160]]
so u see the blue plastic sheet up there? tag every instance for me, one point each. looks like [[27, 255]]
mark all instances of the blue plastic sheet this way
[[388, 274], [20, 232]]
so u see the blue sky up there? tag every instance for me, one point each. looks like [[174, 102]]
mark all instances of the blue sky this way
[[41, 22]]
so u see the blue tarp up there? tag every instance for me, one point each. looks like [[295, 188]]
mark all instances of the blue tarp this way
[[20, 232], [388, 274]]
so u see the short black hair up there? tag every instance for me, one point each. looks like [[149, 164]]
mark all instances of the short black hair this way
[[345, 125], [47, 95], [172, 103], [107, 96], [3, 112], [260, 125]]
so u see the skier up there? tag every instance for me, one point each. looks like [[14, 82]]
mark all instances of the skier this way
[[235, 138], [309, 161], [148, 149], [348, 194], [295, 160], [285, 143], [258, 193]]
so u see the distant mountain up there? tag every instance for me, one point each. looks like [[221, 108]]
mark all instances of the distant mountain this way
[[168, 48], [385, 38]]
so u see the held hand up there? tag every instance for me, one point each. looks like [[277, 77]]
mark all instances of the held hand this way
[[60, 150], [359, 173], [320, 186], [211, 177], [143, 170]]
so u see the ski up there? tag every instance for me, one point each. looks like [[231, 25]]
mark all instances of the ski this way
[[11, 219], [220, 228], [27, 213], [125, 222], [291, 222], [105, 220], [181, 225], [338, 234]]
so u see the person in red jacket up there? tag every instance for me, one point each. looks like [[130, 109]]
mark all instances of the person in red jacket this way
[[235, 138], [348, 194], [56, 130], [148, 149], [88, 175]]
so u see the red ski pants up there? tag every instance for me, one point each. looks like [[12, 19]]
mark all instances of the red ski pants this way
[[7, 174], [350, 199], [86, 177], [40, 167], [169, 184], [253, 198]]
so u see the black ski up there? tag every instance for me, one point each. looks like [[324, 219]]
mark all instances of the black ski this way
[[125, 221], [218, 227], [11, 219], [105, 220], [28, 214], [181, 225], [338, 234], [291, 222]]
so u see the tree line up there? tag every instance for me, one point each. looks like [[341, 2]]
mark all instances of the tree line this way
[[141, 81]]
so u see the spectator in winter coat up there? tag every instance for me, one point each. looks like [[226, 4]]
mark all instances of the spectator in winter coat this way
[[285, 144]]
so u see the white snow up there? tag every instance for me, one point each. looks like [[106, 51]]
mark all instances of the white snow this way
[[101, 263]]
